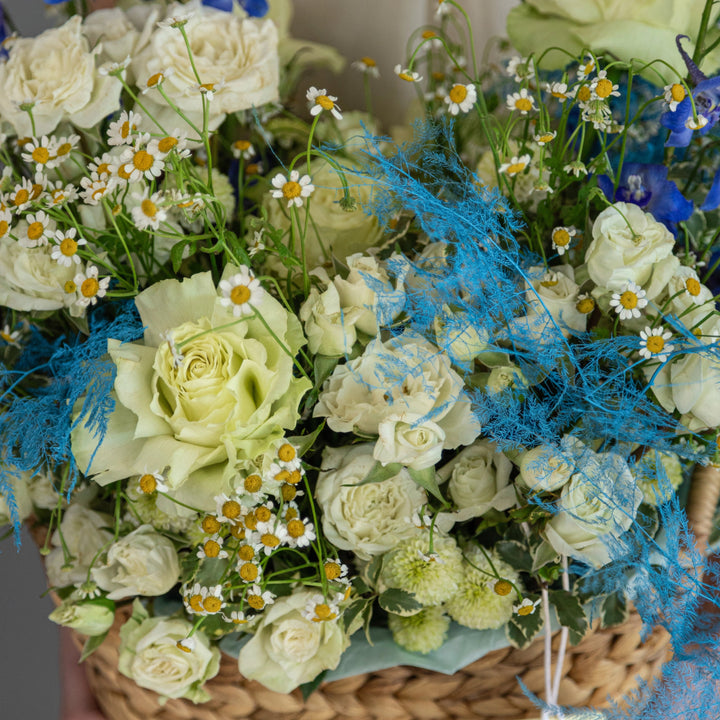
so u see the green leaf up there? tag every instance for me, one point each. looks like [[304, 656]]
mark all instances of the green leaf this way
[[614, 610], [427, 479], [177, 250], [352, 616], [323, 367], [522, 629], [399, 602], [303, 443], [374, 568], [379, 473], [367, 617], [308, 688], [570, 613], [543, 554], [92, 644], [514, 554]]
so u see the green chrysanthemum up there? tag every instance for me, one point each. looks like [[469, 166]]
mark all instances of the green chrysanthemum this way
[[433, 577], [422, 632], [476, 604]]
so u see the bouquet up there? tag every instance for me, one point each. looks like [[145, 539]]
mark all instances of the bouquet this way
[[332, 401]]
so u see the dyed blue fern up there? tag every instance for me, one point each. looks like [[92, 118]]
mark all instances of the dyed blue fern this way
[[54, 386]]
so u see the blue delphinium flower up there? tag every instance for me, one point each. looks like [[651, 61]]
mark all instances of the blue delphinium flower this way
[[648, 187], [254, 8]]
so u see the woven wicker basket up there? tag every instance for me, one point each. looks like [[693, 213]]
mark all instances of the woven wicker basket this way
[[605, 664]]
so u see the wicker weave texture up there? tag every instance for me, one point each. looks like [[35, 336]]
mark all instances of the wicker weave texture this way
[[607, 662]]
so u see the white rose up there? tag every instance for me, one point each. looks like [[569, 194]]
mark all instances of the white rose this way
[[234, 54], [479, 480], [555, 293], [545, 469], [56, 71], [113, 31], [87, 618], [83, 535], [406, 374], [19, 487], [368, 519], [503, 377], [31, 280], [287, 649], [456, 334], [410, 440], [43, 492], [620, 253], [142, 563]]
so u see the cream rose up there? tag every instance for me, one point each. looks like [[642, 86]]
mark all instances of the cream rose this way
[[287, 649], [555, 293], [142, 563], [459, 338], [545, 468], [111, 30], [87, 618], [410, 440], [621, 253], [19, 488], [55, 71], [234, 54], [479, 479], [367, 519], [149, 655], [203, 392]]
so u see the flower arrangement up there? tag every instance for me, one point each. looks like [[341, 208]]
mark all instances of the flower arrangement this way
[[290, 388]]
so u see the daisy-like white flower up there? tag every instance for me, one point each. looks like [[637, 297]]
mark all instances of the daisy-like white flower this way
[[21, 195], [693, 288], [116, 69], [236, 617], [242, 149], [576, 168], [152, 482], [100, 166], [209, 89], [460, 98], [212, 601], [241, 292], [95, 188], [602, 87], [187, 645], [255, 244], [692, 124], [175, 352], [39, 230], [587, 68], [257, 599], [228, 509], [629, 302], [521, 101], [10, 336], [41, 152], [301, 532], [148, 213], [212, 548], [5, 222], [526, 607], [175, 21], [546, 137], [64, 146], [87, 590], [521, 68], [250, 571], [90, 287], [367, 65], [336, 571], [516, 165], [561, 237], [319, 100], [66, 247], [500, 586], [292, 189], [654, 343], [585, 304], [559, 91], [175, 141], [407, 74], [156, 79], [193, 598], [320, 609], [674, 94], [269, 536], [443, 8], [122, 130], [60, 193], [288, 456], [141, 161]]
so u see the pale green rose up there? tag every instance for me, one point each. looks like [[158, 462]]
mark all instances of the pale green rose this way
[[141, 563], [545, 469], [287, 649], [87, 618], [643, 30], [503, 377], [228, 399], [149, 656], [19, 486], [657, 474], [456, 334]]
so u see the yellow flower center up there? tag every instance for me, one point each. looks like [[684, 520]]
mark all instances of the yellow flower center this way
[[68, 247], [246, 553], [515, 168], [546, 137], [238, 532], [63, 149], [125, 129], [585, 306], [195, 602], [603, 88], [207, 87], [241, 145], [295, 477], [283, 476], [35, 230], [231, 509], [406, 76], [103, 169], [255, 602], [69, 287], [211, 548], [296, 528], [526, 610], [252, 169], [253, 483], [149, 208], [692, 286], [655, 344], [323, 612], [4, 227], [332, 570], [248, 572], [290, 513], [549, 283], [153, 80], [210, 524], [288, 492], [58, 197], [240, 294], [324, 102], [6, 337], [167, 144], [523, 104], [502, 587], [677, 92], [212, 604], [179, 645], [143, 160], [123, 172], [583, 94], [458, 93], [439, 76], [41, 155], [269, 540], [427, 34], [291, 189], [558, 94], [21, 197], [368, 62], [629, 300], [36, 191], [561, 237], [251, 521], [148, 483], [286, 452], [89, 287]]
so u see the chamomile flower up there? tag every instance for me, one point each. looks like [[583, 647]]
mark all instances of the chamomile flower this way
[[520, 68], [694, 288], [148, 213], [176, 142], [500, 586], [21, 195], [561, 237], [629, 302], [39, 230], [155, 80], [122, 130], [460, 98], [87, 590], [257, 599], [654, 343], [335, 570], [100, 166], [367, 65], [443, 8], [255, 244], [90, 287], [141, 161], [95, 188], [249, 571], [9, 336], [193, 598], [320, 609], [516, 165], [269, 536], [301, 532], [585, 304], [546, 137], [293, 189], [212, 548], [587, 68], [242, 149], [526, 607], [5, 222], [241, 292], [319, 100], [41, 152], [175, 21], [66, 247], [692, 124], [236, 617], [407, 74], [674, 94], [228, 509], [423, 632], [60, 193], [187, 645], [152, 482], [521, 101], [602, 87], [576, 168], [559, 91], [64, 146]]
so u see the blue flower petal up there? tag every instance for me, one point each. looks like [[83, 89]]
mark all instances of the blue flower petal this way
[[712, 200], [255, 8]]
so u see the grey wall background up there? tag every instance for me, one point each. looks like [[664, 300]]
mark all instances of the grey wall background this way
[[29, 686]]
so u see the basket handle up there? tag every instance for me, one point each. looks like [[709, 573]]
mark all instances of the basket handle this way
[[702, 501]]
